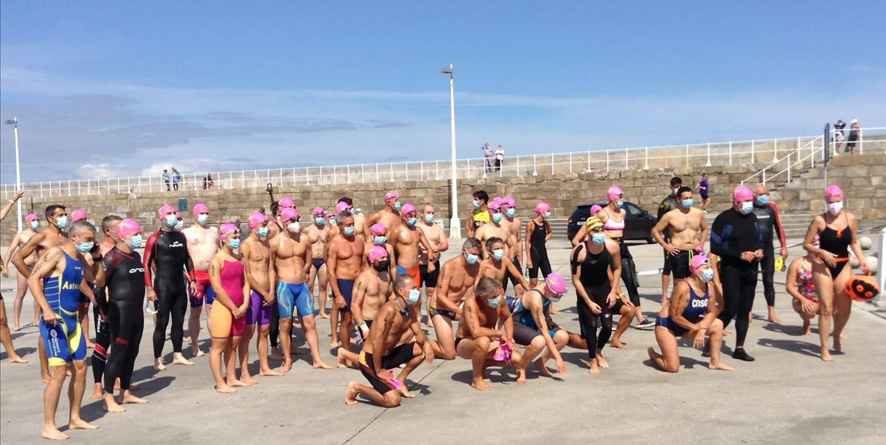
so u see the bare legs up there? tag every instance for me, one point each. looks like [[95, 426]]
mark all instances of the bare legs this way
[[669, 359], [6, 338], [220, 346]]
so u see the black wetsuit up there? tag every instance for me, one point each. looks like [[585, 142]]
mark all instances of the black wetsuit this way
[[667, 204], [168, 252], [538, 251], [125, 278], [769, 224], [102, 334], [732, 234], [594, 278]]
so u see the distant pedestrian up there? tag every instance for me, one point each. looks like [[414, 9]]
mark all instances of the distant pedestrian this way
[[854, 130], [490, 156], [499, 157], [166, 178], [838, 131], [704, 190], [176, 177], [208, 183]]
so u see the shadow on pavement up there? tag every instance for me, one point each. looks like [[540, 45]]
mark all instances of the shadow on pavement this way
[[22, 352], [800, 347]]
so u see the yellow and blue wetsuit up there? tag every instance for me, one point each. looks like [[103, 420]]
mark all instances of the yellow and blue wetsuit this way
[[64, 341]]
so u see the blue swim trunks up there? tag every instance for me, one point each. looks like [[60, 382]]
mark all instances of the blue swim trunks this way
[[291, 297]]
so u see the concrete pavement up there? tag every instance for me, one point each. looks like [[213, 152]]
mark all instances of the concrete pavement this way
[[787, 395]]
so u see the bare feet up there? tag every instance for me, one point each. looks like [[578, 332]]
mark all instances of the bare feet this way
[[16, 359], [334, 344], [129, 398], [234, 383], [554, 312], [97, 393], [480, 385], [619, 345], [521, 375], [133, 387], [593, 368], [269, 373], [807, 328], [158, 365], [320, 364], [17, 328], [837, 346], [248, 380], [287, 365], [340, 360], [720, 366], [323, 315], [544, 369], [80, 424], [773, 318], [275, 354], [652, 354], [843, 336], [404, 391], [351, 395], [186, 340], [726, 333], [601, 362], [54, 434], [225, 389], [179, 359], [198, 352], [113, 407]]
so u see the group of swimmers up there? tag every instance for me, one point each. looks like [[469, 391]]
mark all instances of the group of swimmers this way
[[262, 286]]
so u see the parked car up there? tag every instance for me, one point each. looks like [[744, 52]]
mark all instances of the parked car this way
[[638, 222]]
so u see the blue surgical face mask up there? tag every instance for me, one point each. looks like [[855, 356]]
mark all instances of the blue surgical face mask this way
[[349, 230], [397, 206], [332, 222], [511, 212], [429, 218], [202, 219], [379, 240], [411, 221], [320, 221], [62, 222], [495, 302], [35, 224], [547, 215], [234, 244], [498, 254], [472, 259], [598, 238], [687, 202], [496, 218], [263, 231], [476, 204], [179, 225], [413, 297], [763, 199], [135, 242], [620, 204], [707, 275], [85, 247], [747, 207]]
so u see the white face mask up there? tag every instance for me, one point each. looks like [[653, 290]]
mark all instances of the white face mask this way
[[293, 226], [835, 207]]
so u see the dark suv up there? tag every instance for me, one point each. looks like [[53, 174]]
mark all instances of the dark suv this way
[[638, 223]]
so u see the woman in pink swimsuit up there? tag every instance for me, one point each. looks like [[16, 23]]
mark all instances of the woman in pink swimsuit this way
[[228, 315]]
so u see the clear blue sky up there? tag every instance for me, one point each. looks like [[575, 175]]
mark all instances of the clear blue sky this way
[[127, 88]]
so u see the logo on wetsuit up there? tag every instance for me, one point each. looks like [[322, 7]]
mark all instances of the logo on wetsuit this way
[[176, 244], [137, 269], [699, 303], [69, 286]]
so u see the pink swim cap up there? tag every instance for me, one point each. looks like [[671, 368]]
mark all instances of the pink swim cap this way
[[200, 208], [407, 209], [165, 210], [178, 215], [697, 262], [378, 229], [341, 207], [508, 201], [330, 215], [77, 215], [289, 214], [318, 211], [286, 202], [127, 227], [495, 204], [614, 192], [595, 209], [392, 195], [255, 220], [32, 217], [741, 194], [226, 230], [376, 253], [542, 208], [833, 191], [556, 284]]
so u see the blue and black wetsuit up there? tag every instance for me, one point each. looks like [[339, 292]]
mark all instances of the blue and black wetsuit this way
[[732, 234]]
